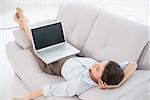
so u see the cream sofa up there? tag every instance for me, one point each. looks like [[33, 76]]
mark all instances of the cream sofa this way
[[98, 34]]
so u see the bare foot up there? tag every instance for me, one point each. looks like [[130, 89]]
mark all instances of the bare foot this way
[[19, 10], [20, 13], [16, 18], [20, 18]]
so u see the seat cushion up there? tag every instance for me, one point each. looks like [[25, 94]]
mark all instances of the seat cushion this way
[[27, 68], [115, 38], [136, 85]]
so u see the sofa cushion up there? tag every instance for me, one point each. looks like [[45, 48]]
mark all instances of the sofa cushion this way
[[115, 38], [83, 27], [68, 14], [136, 81]]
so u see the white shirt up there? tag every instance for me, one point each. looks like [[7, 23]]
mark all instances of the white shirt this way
[[76, 73]]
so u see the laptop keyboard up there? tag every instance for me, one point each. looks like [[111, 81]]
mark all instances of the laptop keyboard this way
[[58, 48], [55, 53]]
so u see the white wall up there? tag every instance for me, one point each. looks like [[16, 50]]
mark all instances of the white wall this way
[[37, 10], [133, 9]]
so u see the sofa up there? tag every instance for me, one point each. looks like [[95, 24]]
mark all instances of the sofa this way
[[98, 34]]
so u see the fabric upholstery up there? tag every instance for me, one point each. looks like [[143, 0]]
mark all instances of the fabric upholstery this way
[[25, 63], [115, 38], [21, 38], [83, 27], [68, 15]]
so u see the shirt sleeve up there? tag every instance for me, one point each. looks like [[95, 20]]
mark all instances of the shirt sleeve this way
[[86, 62], [124, 64], [68, 88]]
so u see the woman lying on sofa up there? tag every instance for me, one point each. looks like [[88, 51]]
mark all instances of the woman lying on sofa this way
[[80, 73]]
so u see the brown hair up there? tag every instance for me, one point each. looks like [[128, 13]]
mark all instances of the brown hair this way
[[112, 74]]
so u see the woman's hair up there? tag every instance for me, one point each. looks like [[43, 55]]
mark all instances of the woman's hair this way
[[113, 74]]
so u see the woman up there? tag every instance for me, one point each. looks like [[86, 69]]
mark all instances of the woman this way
[[78, 75]]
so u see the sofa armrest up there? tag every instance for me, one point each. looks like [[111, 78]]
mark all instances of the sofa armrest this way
[[21, 38], [144, 62]]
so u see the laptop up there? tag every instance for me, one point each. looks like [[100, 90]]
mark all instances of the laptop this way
[[49, 43]]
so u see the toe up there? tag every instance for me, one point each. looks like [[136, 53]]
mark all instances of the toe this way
[[19, 10]]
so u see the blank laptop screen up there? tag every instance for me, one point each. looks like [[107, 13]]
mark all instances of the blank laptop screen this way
[[47, 35]]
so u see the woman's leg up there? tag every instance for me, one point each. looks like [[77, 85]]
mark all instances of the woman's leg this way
[[43, 66], [23, 23], [54, 68]]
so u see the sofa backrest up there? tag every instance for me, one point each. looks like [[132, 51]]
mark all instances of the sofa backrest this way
[[115, 38], [79, 35], [102, 35]]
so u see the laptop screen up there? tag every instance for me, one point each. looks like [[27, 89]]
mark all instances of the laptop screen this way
[[47, 35]]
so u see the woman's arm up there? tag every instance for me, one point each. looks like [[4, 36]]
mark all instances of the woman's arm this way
[[128, 72], [67, 88], [34, 94]]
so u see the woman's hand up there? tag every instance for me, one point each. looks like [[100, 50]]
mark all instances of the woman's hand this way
[[102, 84], [28, 98], [34, 94]]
